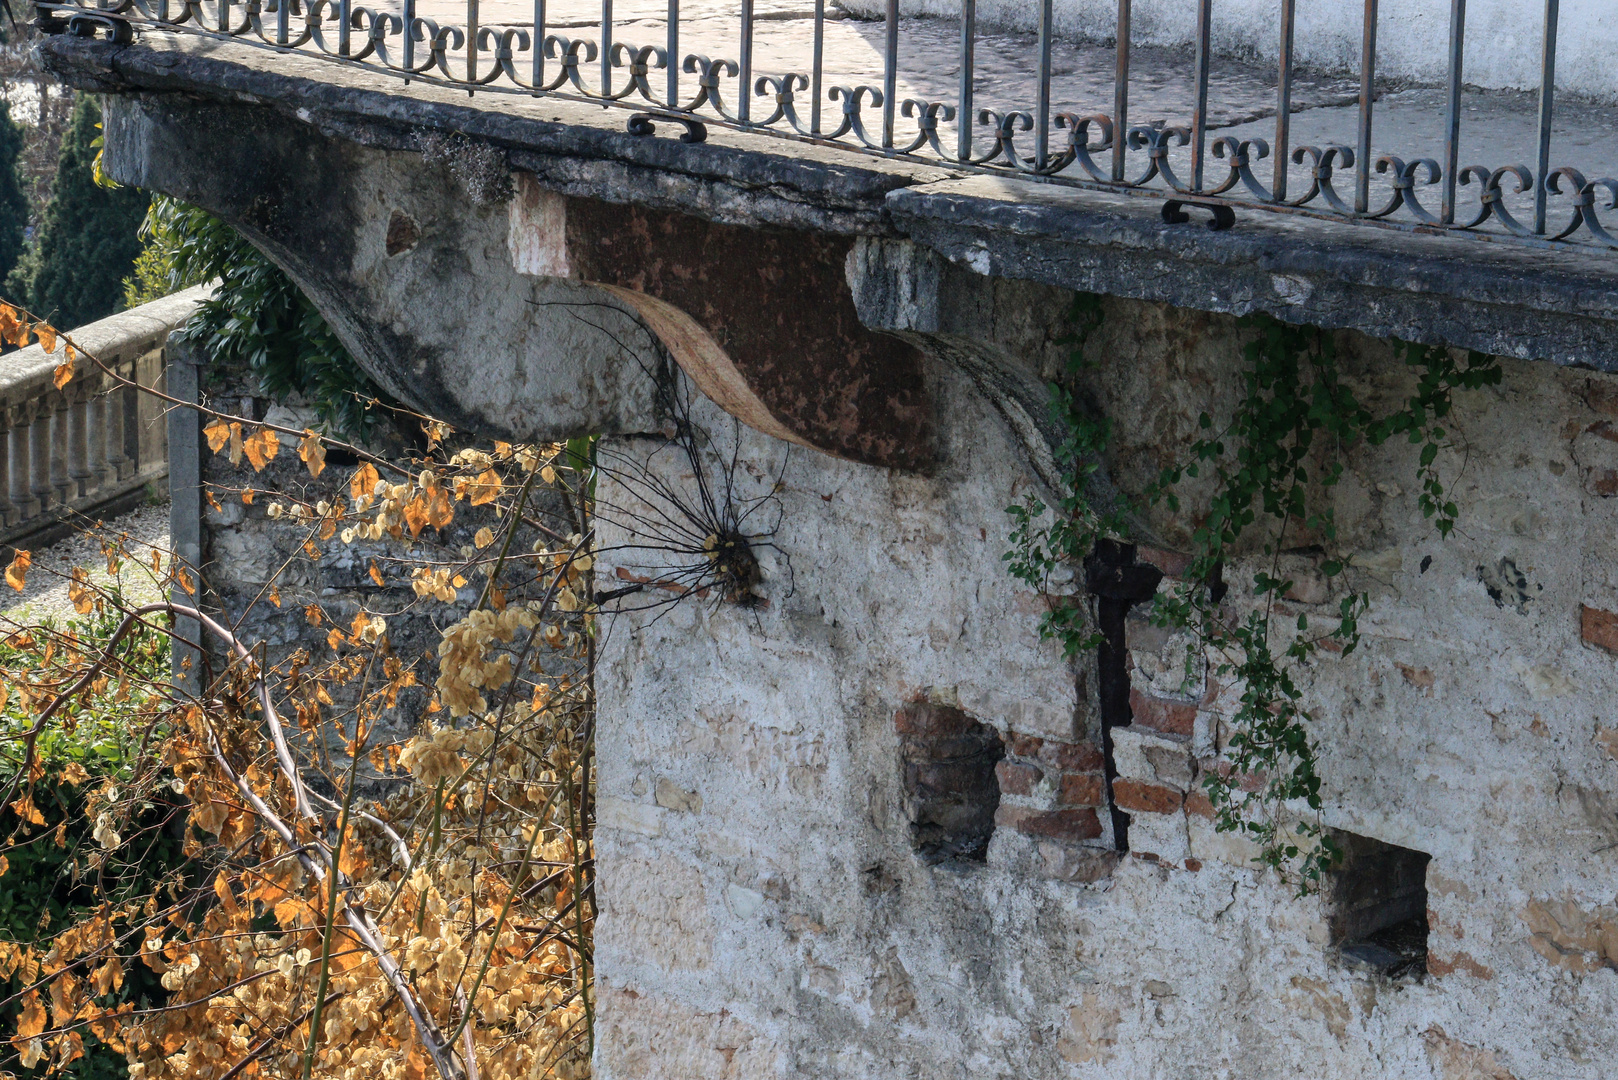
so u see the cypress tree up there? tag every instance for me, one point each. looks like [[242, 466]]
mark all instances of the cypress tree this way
[[88, 238], [13, 203]]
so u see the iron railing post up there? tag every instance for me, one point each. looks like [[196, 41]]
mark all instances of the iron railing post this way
[[1452, 108], [890, 72], [1547, 100], [1283, 101], [1120, 93], [1362, 157], [964, 102], [1199, 115]]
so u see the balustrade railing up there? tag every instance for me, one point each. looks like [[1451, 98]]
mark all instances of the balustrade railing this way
[[1056, 111], [94, 442]]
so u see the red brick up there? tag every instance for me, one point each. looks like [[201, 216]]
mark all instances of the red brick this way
[[1172, 563], [1193, 865], [1599, 628], [1148, 798], [1159, 714], [1199, 804], [1071, 757], [1072, 824], [1020, 745], [931, 721], [1080, 789], [1016, 778]]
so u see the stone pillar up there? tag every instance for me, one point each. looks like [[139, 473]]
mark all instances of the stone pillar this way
[[60, 482], [39, 459], [99, 474], [80, 475], [118, 465], [22, 498]]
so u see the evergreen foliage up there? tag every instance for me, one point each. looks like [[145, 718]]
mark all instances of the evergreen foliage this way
[[13, 202], [88, 238], [257, 316]]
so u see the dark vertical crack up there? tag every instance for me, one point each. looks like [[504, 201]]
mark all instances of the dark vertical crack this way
[[1118, 583]]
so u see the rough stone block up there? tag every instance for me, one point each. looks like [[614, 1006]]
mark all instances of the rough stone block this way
[[1080, 789], [929, 721], [1161, 714], [1599, 628], [1016, 778], [1071, 824], [1134, 796], [1071, 757], [1076, 864]]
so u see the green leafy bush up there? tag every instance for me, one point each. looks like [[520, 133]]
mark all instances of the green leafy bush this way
[[257, 316]]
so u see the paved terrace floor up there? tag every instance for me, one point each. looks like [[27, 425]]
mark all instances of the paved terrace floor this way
[[1498, 127]]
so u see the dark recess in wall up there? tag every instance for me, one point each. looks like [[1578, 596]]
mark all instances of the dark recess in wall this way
[[1376, 906]]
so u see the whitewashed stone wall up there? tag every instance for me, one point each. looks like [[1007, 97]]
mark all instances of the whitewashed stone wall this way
[[764, 914]]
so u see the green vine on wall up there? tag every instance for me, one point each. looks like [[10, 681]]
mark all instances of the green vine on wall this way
[[1273, 464]]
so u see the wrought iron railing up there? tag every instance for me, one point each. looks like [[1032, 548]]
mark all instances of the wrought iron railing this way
[[807, 91]]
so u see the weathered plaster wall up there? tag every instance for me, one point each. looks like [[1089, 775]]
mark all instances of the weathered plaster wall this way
[[764, 913]]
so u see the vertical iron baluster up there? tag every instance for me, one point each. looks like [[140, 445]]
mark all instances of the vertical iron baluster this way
[[409, 32], [744, 103], [817, 74], [1283, 102], [1042, 108], [1199, 117], [1547, 96], [538, 78], [282, 28], [606, 46], [1452, 108], [344, 13], [1120, 93], [890, 72], [224, 16], [963, 112], [1362, 155], [674, 54], [471, 41]]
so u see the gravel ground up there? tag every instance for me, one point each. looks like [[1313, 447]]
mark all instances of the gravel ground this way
[[146, 529]]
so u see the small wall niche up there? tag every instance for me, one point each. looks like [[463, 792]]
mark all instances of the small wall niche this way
[[1376, 906], [950, 789]]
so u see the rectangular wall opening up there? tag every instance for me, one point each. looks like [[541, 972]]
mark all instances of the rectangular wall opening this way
[[1376, 906]]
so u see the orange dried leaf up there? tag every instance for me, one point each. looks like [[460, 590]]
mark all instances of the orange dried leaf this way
[[218, 434], [415, 515], [335, 638], [376, 575], [79, 592], [261, 448], [247, 496], [46, 333], [25, 809], [486, 488], [17, 572], [364, 481], [64, 373], [313, 614], [312, 453]]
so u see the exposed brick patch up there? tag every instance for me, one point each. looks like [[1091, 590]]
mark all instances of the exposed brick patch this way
[[1199, 804], [1071, 757], [1160, 714], [928, 721], [1193, 865], [1080, 789], [950, 787], [1599, 628], [1135, 796], [1070, 824], [1020, 745], [1017, 778], [1067, 862], [1172, 563]]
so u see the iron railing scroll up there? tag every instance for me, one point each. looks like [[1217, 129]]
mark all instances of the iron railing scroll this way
[[1186, 159]]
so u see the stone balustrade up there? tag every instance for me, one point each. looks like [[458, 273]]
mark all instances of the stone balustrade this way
[[92, 446]]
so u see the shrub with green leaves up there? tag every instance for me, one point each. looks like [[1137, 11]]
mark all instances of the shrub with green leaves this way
[[257, 317], [13, 201]]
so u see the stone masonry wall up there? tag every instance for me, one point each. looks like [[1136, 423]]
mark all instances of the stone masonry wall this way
[[768, 912]]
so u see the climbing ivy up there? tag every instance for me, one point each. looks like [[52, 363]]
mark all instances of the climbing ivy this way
[[1272, 465]]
